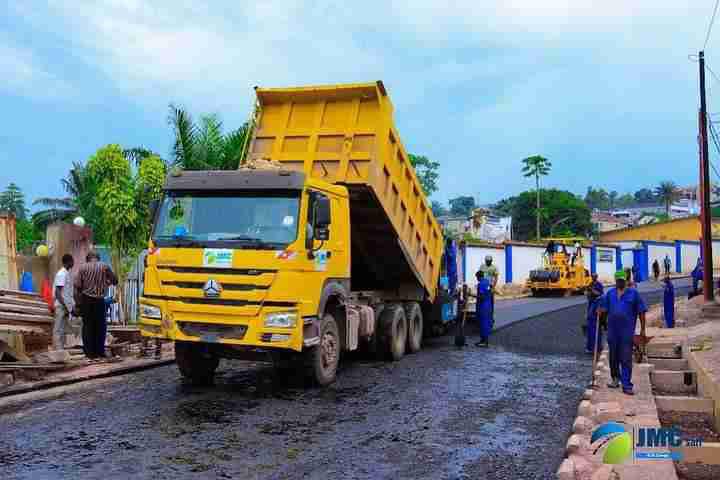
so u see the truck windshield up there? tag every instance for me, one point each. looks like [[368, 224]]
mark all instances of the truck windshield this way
[[234, 220]]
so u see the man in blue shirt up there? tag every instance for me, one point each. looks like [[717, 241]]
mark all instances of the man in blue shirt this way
[[594, 293], [623, 305]]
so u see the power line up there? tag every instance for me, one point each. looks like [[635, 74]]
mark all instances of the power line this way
[[716, 142], [712, 21]]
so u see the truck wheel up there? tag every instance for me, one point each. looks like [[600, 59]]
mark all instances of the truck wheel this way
[[413, 314], [322, 360], [394, 332], [195, 362]]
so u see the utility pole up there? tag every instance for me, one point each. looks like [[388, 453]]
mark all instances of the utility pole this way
[[705, 216]]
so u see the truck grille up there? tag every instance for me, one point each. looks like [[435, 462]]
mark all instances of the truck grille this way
[[192, 329]]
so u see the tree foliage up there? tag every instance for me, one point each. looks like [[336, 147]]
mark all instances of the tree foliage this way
[[645, 195], [205, 146], [462, 205], [12, 200], [427, 172], [557, 205], [26, 234], [536, 166], [438, 208], [597, 198], [667, 192]]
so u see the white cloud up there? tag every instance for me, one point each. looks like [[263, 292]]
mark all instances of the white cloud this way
[[23, 75]]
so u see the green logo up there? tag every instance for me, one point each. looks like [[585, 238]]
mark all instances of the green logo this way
[[616, 441]]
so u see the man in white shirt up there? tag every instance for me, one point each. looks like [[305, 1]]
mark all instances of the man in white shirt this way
[[64, 304]]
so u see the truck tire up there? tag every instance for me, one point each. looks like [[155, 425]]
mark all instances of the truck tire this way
[[321, 361], [414, 316], [393, 327], [195, 362]]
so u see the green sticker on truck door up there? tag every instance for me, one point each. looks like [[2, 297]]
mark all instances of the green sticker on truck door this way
[[217, 257]]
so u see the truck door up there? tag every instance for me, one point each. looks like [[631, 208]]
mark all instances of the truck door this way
[[325, 247]]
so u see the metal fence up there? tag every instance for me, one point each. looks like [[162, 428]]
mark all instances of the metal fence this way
[[132, 290]]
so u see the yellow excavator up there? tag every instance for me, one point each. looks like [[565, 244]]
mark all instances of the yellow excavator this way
[[563, 269]]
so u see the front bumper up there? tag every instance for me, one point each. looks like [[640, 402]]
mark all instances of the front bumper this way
[[223, 325]]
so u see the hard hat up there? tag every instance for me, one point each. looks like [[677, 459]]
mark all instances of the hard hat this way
[[619, 275], [488, 258]]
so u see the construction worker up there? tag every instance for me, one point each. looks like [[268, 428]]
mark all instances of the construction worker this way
[[595, 291], [623, 305], [64, 304], [656, 269], [669, 303], [483, 308], [491, 274], [697, 275]]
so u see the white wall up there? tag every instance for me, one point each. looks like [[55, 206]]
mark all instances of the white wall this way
[[524, 259], [606, 270], [627, 259], [628, 244], [689, 254], [716, 254], [658, 252], [475, 256]]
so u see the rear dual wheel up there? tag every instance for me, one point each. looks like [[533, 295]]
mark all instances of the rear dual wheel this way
[[393, 332]]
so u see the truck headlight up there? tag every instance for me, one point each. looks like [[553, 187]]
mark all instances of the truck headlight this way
[[281, 319], [150, 311]]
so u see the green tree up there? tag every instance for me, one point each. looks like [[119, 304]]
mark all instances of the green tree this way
[[26, 235], [462, 205], [567, 213], [536, 166], [438, 209], [612, 199], [12, 200], [625, 200], [645, 195], [667, 192], [122, 202], [426, 171], [597, 198], [205, 146]]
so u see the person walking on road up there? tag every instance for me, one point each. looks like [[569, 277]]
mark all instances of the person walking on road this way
[[64, 305], [656, 270], [595, 291], [667, 263], [623, 305], [491, 274], [91, 285], [483, 308], [669, 303]]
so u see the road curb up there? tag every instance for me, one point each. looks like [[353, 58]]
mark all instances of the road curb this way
[[49, 384]]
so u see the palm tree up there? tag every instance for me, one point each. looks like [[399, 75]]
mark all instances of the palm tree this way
[[205, 146], [667, 192], [536, 166]]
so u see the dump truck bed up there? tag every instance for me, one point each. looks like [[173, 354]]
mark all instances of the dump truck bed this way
[[345, 134]]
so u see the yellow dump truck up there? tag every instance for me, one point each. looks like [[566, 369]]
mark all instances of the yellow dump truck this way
[[331, 247]]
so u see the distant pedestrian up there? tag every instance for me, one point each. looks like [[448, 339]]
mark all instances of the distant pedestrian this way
[[635, 276], [64, 304], [483, 308], [656, 269], [669, 303], [491, 274], [91, 285], [667, 263], [628, 276], [697, 275], [594, 333], [623, 305]]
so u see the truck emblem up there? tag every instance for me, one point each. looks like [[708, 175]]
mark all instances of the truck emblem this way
[[212, 288]]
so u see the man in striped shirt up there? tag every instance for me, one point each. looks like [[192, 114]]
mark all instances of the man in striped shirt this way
[[91, 285]]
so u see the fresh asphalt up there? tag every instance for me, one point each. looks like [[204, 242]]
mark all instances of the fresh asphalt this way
[[445, 413]]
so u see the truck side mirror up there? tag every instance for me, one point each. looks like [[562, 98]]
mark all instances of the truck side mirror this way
[[322, 218]]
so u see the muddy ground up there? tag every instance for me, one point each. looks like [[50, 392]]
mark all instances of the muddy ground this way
[[497, 413]]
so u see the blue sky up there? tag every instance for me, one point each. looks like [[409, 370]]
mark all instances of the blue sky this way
[[603, 89]]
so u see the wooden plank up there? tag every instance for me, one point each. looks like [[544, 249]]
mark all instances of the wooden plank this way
[[18, 293], [29, 309], [22, 301], [15, 318], [24, 329], [13, 352]]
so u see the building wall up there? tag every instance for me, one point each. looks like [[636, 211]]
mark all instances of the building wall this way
[[658, 252], [524, 259], [627, 259], [681, 229], [475, 256], [689, 254], [604, 269], [8, 254]]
